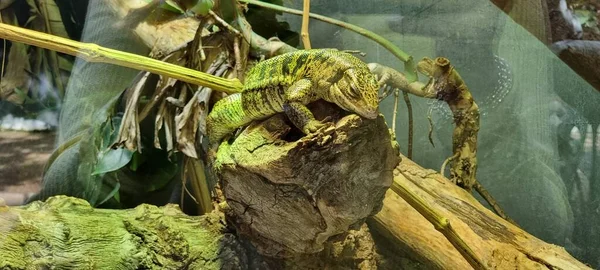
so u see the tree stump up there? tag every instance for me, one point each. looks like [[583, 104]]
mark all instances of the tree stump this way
[[290, 193]]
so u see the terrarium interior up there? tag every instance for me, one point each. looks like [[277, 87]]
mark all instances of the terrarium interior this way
[[537, 146]]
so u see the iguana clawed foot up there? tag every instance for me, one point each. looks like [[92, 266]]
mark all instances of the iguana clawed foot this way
[[312, 126], [315, 125]]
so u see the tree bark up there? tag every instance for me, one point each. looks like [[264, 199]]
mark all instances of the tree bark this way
[[290, 193]]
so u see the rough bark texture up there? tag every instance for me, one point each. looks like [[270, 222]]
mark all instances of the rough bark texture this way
[[498, 243], [290, 195], [68, 233]]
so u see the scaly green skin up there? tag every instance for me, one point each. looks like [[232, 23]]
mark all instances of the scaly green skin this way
[[288, 82]]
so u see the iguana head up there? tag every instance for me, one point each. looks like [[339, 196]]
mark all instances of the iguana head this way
[[356, 91]]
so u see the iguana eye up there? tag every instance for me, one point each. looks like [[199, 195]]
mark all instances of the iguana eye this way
[[354, 90]]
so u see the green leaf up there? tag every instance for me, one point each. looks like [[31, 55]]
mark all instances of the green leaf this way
[[137, 160], [23, 96], [172, 6], [112, 160], [161, 176], [113, 193], [202, 7]]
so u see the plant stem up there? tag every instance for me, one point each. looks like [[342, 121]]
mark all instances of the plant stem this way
[[441, 223], [305, 19], [94, 53], [404, 57]]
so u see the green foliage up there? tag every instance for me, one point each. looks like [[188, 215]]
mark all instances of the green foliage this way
[[158, 171], [93, 148], [108, 158]]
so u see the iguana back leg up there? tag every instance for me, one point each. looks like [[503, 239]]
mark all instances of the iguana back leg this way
[[294, 107]]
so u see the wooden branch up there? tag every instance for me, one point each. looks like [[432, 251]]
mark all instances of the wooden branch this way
[[496, 242], [94, 53]]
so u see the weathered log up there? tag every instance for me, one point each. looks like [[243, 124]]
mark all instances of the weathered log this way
[[290, 193], [498, 243], [68, 233]]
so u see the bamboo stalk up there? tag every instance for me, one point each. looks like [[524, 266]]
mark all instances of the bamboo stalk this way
[[304, 31], [94, 53], [440, 223]]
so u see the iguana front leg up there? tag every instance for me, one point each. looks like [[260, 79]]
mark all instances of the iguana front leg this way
[[294, 107]]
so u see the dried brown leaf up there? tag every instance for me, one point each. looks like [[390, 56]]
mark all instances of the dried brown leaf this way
[[129, 132], [187, 126], [164, 119], [159, 121], [163, 87]]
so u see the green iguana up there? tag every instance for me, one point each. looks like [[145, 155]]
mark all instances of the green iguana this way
[[288, 82]]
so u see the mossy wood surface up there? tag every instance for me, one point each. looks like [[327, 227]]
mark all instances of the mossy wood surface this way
[[66, 233]]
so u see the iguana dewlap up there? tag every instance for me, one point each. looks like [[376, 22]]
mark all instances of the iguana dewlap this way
[[288, 82]]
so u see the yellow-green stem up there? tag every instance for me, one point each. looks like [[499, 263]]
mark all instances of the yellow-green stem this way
[[94, 53], [441, 223], [411, 74]]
